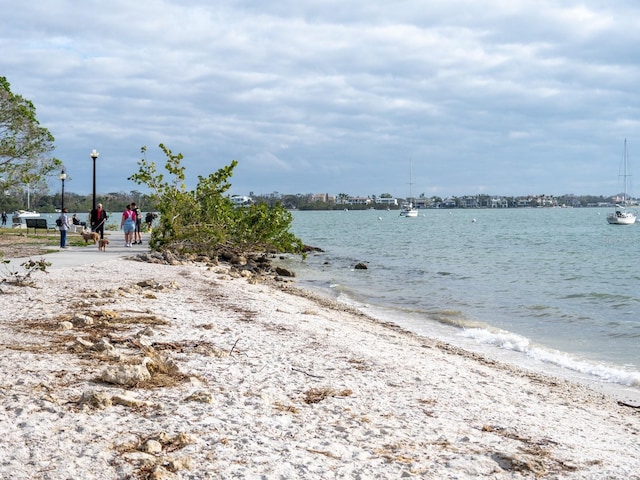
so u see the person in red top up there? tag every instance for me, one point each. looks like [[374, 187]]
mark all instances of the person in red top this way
[[98, 219], [128, 225]]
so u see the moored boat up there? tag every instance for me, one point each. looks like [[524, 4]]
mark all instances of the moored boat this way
[[621, 216], [408, 210], [26, 214]]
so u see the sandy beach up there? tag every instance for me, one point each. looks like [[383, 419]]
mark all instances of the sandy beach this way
[[125, 369]]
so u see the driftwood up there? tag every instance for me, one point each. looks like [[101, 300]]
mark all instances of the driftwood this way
[[234, 346], [306, 373]]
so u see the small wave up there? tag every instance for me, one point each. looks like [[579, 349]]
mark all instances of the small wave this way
[[454, 318], [539, 307], [506, 340], [518, 343]]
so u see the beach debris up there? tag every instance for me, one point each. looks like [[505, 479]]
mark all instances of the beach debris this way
[[200, 396], [23, 279], [146, 332], [151, 455], [294, 369], [128, 400], [127, 375], [151, 446], [82, 344], [80, 320], [284, 272], [519, 463], [103, 345], [316, 395], [102, 400], [99, 400]]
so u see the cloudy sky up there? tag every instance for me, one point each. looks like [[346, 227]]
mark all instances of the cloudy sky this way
[[505, 97]]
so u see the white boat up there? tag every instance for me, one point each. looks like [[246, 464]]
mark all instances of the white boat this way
[[26, 214], [408, 210], [621, 216]]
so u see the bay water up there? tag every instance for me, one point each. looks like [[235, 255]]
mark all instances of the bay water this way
[[550, 289]]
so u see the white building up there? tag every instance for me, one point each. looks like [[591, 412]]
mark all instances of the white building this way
[[241, 200]]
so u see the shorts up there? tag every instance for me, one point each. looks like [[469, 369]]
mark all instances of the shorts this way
[[129, 226]]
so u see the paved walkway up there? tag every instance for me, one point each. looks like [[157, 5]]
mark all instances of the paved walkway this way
[[89, 254]]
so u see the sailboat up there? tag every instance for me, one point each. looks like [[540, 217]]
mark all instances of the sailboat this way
[[408, 210], [28, 213], [621, 216]]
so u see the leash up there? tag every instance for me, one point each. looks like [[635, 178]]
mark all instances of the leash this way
[[93, 229]]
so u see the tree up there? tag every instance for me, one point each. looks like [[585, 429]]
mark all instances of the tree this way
[[24, 144], [342, 198], [204, 221]]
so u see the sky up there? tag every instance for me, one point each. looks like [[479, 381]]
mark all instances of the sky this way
[[445, 97]]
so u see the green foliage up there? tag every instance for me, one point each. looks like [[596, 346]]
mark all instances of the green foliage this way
[[24, 279], [24, 144], [204, 220]]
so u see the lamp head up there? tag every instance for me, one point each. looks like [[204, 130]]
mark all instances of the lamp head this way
[[94, 154], [63, 175]]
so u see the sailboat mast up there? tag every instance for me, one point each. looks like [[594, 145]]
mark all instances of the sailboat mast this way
[[625, 163], [411, 180]]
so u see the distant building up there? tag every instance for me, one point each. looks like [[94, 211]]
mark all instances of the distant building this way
[[469, 201], [359, 201], [241, 200], [523, 202], [499, 202], [422, 202], [321, 197], [387, 201], [449, 202]]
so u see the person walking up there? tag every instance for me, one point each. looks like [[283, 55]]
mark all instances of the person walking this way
[[4, 218], [128, 225], [98, 218], [149, 220], [64, 226], [137, 235]]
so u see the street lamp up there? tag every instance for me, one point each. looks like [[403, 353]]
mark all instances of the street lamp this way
[[63, 177], [94, 155]]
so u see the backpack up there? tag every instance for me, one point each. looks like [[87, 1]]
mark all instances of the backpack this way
[[59, 222]]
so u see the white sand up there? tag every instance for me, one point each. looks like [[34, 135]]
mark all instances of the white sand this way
[[274, 385]]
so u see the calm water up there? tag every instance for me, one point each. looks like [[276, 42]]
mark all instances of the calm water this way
[[551, 289]]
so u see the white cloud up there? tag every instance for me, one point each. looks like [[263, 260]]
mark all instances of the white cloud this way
[[334, 96]]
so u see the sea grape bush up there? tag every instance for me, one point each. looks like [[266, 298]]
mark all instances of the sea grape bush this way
[[203, 220]]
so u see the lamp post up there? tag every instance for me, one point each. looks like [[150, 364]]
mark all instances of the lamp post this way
[[63, 177], [94, 155]]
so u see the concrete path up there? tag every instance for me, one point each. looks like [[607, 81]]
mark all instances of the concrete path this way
[[86, 255]]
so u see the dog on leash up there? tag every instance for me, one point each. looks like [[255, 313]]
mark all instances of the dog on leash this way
[[102, 244], [90, 236]]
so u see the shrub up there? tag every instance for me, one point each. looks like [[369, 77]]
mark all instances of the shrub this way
[[204, 221]]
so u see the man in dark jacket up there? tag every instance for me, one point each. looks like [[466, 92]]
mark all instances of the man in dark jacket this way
[[98, 219]]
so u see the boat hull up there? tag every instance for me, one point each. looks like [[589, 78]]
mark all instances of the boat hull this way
[[411, 213], [26, 214], [619, 218]]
